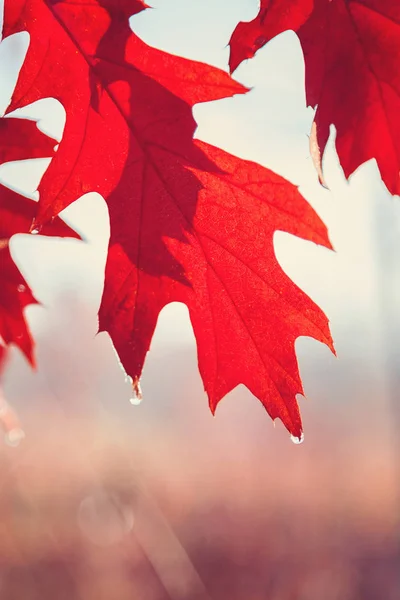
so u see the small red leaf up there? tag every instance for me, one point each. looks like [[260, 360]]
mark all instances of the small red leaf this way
[[352, 56], [20, 139], [16, 216]]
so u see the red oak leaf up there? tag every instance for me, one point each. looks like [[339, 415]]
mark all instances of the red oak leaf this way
[[20, 139], [122, 97], [246, 313], [189, 222], [16, 216], [352, 57]]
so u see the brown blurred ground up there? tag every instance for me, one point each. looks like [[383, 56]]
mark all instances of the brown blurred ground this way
[[108, 501]]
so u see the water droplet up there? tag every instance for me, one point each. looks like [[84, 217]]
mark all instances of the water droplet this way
[[22, 288], [104, 519], [297, 440], [14, 437], [35, 231], [135, 401], [137, 392]]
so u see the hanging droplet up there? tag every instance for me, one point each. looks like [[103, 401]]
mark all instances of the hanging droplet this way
[[35, 228], [297, 440], [135, 400], [137, 392]]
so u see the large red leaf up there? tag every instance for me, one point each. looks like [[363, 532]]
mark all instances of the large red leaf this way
[[189, 222], [246, 313], [123, 99], [352, 57]]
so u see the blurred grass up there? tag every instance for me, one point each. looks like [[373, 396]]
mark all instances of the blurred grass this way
[[325, 532], [106, 501]]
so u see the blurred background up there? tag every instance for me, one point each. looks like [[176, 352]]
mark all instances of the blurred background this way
[[108, 499]]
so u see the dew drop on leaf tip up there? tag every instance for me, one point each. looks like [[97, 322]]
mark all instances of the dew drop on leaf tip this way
[[137, 392], [297, 440]]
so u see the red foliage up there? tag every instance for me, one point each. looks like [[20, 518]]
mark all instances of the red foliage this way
[[189, 222], [352, 53], [19, 139]]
